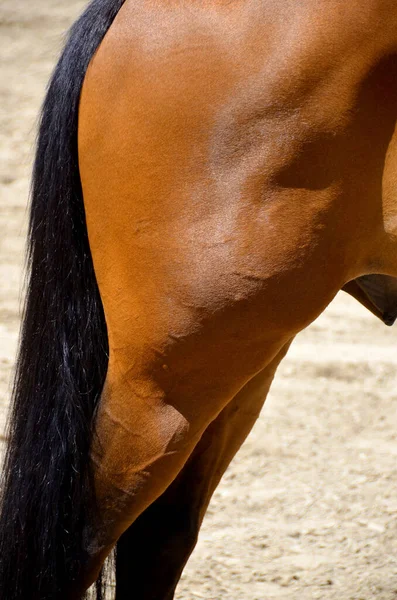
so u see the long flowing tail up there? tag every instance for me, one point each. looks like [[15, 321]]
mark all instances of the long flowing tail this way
[[47, 493]]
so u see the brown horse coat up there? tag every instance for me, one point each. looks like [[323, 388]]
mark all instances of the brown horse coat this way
[[239, 167]]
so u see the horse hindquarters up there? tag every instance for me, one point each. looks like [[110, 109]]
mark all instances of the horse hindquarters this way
[[205, 269]]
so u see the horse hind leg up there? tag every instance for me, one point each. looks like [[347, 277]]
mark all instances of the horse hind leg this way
[[153, 551]]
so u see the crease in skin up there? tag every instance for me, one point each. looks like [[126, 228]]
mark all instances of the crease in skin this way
[[251, 277], [121, 423], [216, 244], [148, 394], [176, 337], [141, 471], [198, 307]]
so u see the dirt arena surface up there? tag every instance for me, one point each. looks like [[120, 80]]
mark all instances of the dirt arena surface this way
[[308, 509]]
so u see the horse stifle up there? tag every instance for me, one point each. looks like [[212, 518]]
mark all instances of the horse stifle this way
[[208, 175]]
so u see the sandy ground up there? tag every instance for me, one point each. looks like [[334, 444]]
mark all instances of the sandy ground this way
[[308, 508]]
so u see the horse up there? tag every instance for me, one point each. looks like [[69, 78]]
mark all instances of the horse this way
[[208, 176]]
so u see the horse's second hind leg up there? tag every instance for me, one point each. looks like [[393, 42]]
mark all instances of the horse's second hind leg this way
[[152, 553]]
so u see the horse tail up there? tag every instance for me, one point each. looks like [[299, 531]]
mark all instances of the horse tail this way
[[47, 493]]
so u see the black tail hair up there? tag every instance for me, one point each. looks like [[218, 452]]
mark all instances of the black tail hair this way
[[47, 493]]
